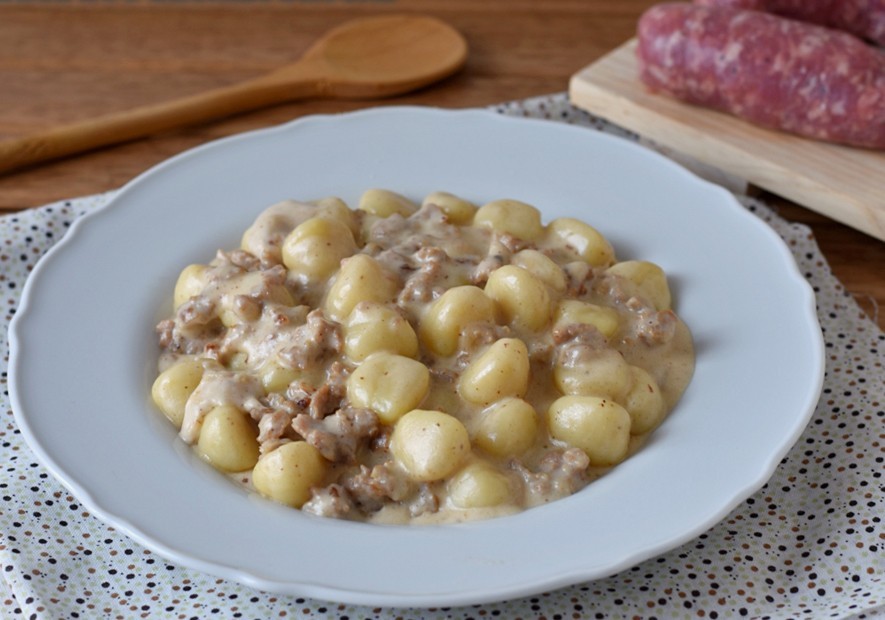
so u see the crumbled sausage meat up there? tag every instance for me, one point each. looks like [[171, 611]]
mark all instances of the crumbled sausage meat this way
[[477, 335], [501, 248], [428, 282], [425, 502], [314, 341], [340, 435], [653, 327], [275, 421], [560, 473], [576, 343], [330, 501], [243, 259], [371, 488]]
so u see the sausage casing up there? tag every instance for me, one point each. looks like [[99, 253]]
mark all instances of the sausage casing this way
[[862, 18], [774, 72]]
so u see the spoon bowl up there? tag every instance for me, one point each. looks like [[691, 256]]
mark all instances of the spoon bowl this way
[[385, 56]]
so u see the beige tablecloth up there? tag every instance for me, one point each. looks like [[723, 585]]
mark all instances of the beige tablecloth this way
[[807, 545]]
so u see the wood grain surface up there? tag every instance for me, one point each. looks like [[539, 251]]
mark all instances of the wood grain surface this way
[[66, 62]]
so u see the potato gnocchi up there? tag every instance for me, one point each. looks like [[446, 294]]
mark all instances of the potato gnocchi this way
[[404, 362]]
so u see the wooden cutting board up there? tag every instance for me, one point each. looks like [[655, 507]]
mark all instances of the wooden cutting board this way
[[844, 183]]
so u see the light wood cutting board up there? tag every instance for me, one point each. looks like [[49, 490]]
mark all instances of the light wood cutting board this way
[[844, 183]]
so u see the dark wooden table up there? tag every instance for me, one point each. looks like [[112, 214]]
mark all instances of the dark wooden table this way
[[60, 63]]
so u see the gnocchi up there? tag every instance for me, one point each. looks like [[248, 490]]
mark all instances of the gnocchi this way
[[287, 474], [501, 371], [457, 210], [385, 203], [418, 360], [429, 445], [317, 246], [388, 384], [512, 217], [479, 486], [373, 327], [595, 373], [581, 240], [599, 427], [228, 439], [443, 323], [173, 387], [361, 278], [507, 428], [522, 299], [604, 319], [190, 283], [649, 281]]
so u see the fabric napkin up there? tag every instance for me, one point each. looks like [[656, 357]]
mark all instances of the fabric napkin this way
[[807, 545]]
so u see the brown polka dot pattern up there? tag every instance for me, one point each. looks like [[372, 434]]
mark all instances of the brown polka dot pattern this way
[[807, 545]]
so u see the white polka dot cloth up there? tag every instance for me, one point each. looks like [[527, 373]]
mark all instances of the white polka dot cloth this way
[[807, 545]]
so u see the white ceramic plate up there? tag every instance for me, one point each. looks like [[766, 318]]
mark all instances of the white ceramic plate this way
[[84, 354]]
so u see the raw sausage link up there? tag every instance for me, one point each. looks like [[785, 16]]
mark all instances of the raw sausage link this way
[[863, 18], [771, 71]]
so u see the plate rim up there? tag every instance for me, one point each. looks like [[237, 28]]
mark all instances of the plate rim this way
[[398, 599]]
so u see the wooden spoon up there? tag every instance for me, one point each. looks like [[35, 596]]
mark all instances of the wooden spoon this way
[[365, 58]]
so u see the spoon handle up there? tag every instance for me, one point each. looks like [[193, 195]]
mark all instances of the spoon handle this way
[[150, 119]]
